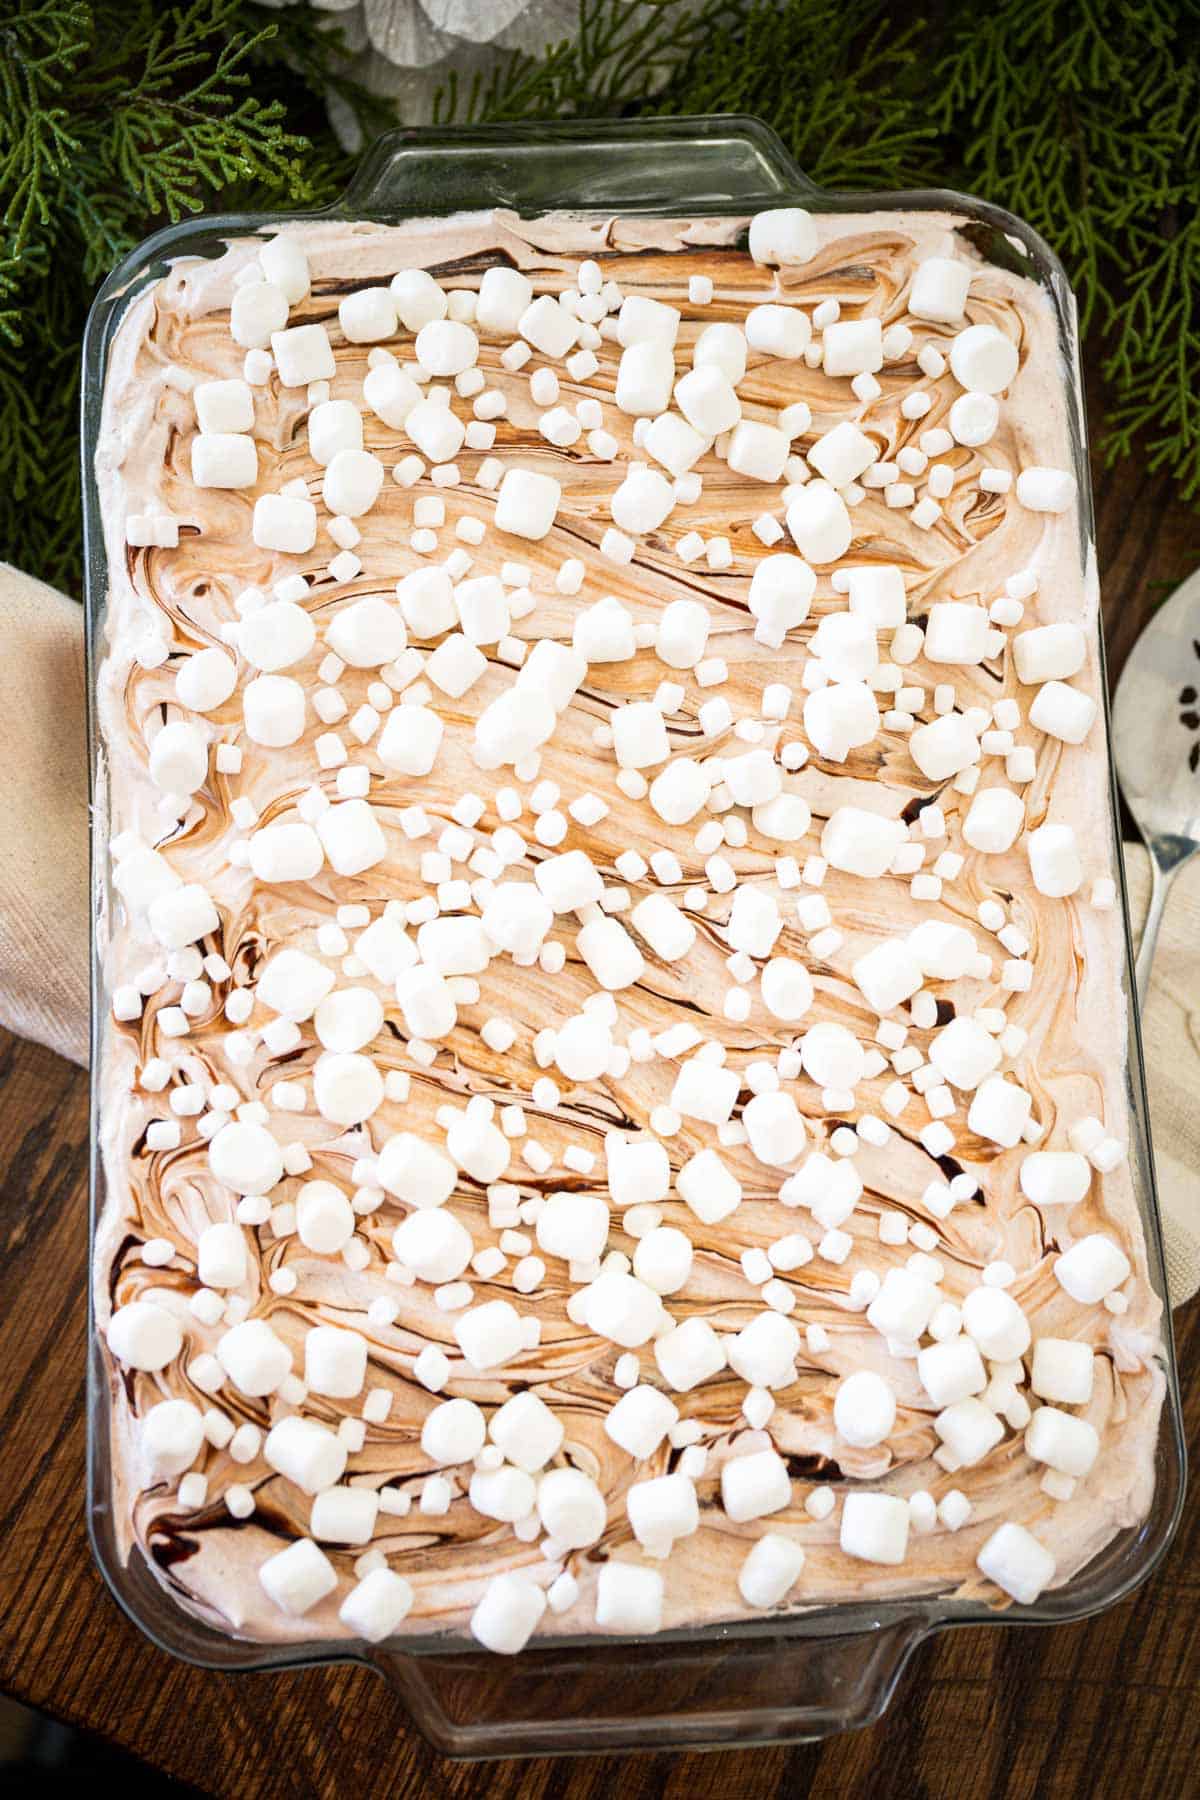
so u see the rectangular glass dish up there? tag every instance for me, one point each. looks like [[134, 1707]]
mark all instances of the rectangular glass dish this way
[[756, 1680]]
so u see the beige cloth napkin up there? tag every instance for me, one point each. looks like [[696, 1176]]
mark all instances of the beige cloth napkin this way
[[44, 901]]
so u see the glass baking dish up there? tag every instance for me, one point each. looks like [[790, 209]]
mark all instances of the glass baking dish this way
[[780, 1680]]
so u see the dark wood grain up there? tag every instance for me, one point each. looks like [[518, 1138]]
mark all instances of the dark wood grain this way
[[1104, 1708]]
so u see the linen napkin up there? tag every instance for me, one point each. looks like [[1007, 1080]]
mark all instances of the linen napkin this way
[[44, 901]]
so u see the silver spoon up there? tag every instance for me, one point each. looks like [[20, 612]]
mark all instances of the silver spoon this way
[[1156, 743]]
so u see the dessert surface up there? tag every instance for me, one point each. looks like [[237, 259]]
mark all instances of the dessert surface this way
[[613, 1109]]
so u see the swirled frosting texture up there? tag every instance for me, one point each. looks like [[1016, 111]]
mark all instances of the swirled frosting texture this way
[[1072, 1062]]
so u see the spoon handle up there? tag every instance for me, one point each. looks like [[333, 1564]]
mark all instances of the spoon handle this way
[[1160, 883]]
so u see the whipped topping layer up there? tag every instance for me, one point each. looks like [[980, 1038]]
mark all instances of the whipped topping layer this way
[[778, 1104]]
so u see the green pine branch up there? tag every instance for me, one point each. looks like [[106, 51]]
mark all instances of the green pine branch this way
[[1082, 116], [116, 116]]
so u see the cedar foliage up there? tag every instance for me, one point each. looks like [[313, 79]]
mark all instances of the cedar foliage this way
[[1081, 116]]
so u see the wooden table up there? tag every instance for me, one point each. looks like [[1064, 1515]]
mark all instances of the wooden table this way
[[1110, 1707]]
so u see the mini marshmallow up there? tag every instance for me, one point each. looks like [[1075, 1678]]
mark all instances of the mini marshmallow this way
[[297, 1578], [706, 397], [629, 1599], [1055, 1177], [780, 596], [508, 1614], [1046, 490], [334, 425], [245, 1157], [640, 1420], [172, 1434], [644, 378], [417, 1173], [433, 1245], [983, 359], [670, 440], [874, 1528], [305, 1453], [770, 1571], [784, 236], [572, 1508], [144, 1335], [490, 1335], [205, 680], [1013, 1558], [662, 1510], [374, 1608], [722, 347], [335, 1361], [1054, 860], [276, 636], [504, 296], [939, 289], [996, 1324], [841, 454], [964, 1053], [754, 1486], [526, 503], [1063, 712], [951, 1370], [994, 820], [852, 347], [1049, 653], [224, 459], [782, 331], [1064, 1443], [1092, 1269], [344, 1515], [573, 1226], [303, 354], [864, 1409], [957, 633], [254, 1358], [689, 1354], [1063, 1371], [622, 1309], [859, 842], [711, 1190], [944, 747]]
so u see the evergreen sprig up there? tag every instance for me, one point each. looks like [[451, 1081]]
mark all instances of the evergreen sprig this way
[[116, 115], [1082, 116]]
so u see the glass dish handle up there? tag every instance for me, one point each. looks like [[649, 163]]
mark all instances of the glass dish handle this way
[[576, 165], [767, 1688]]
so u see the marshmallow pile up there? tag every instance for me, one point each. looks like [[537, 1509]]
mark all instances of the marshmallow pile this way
[[508, 811]]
